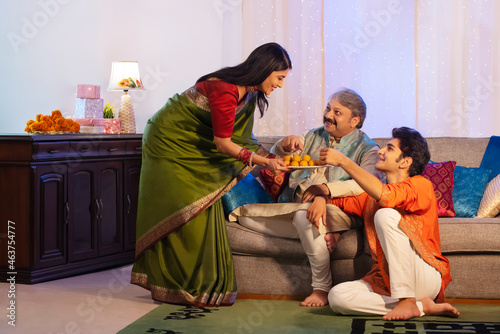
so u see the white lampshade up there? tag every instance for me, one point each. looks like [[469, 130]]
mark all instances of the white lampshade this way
[[125, 76]]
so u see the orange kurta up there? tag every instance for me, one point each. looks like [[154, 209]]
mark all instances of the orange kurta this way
[[414, 199]]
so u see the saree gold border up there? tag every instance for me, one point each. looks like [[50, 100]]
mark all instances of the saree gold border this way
[[198, 99], [182, 297], [201, 101], [184, 215]]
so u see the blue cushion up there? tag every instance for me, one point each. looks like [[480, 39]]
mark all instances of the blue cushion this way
[[491, 157], [247, 191], [468, 190]]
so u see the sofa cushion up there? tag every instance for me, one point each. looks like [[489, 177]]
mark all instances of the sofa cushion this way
[[468, 188], [274, 184], [466, 235], [247, 191], [441, 176], [490, 203], [490, 158], [244, 241]]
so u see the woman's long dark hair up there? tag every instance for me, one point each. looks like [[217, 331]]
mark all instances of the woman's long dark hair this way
[[259, 65]]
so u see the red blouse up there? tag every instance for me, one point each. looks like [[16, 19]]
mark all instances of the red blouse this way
[[223, 99]]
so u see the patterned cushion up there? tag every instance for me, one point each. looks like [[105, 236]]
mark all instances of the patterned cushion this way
[[274, 184], [441, 176], [468, 189], [490, 204], [247, 191]]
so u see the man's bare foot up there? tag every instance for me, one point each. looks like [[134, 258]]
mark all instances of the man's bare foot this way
[[406, 309], [316, 299], [331, 239], [441, 309]]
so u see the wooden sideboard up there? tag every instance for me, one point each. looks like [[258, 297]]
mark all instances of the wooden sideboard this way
[[68, 203]]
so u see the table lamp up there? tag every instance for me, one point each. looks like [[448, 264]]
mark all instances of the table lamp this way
[[125, 76]]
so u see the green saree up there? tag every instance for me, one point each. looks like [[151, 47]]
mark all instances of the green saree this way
[[182, 251]]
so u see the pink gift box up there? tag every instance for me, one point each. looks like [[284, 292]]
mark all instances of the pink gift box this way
[[88, 108], [88, 91], [91, 129], [110, 125], [84, 121]]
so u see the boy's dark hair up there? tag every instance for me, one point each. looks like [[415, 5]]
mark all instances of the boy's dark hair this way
[[259, 65], [413, 145]]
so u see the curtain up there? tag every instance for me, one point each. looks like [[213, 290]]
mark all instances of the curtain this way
[[458, 58], [431, 65], [370, 48], [297, 26]]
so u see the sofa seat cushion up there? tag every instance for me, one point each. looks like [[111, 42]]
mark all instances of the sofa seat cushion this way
[[244, 241], [469, 235]]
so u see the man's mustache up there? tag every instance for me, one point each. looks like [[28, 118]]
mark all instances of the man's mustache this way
[[328, 120]]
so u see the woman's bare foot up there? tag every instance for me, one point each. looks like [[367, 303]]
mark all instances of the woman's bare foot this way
[[316, 299], [331, 239], [441, 309], [406, 309]]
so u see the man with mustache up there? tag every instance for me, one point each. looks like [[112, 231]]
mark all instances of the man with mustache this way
[[343, 118]]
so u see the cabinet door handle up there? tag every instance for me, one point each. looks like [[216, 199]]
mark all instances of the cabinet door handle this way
[[129, 204], [84, 149], [98, 208], [52, 151], [67, 213], [101, 206], [112, 149]]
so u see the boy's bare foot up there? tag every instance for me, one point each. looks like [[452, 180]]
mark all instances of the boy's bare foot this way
[[441, 309], [331, 239], [316, 299], [406, 309]]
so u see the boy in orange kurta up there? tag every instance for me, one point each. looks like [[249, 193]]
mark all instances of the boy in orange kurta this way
[[410, 274]]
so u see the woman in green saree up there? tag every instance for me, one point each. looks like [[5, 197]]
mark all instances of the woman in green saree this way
[[194, 150]]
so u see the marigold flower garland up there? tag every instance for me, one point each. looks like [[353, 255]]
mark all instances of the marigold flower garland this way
[[54, 122]]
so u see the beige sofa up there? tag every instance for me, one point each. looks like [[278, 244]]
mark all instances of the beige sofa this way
[[278, 266]]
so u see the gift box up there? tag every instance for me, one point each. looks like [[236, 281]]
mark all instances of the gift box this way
[[84, 121], [91, 129], [110, 125], [89, 108], [88, 91]]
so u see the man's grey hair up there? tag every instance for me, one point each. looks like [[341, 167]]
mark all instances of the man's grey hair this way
[[351, 100]]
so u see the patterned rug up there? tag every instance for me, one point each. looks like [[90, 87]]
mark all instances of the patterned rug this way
[[279, 316]]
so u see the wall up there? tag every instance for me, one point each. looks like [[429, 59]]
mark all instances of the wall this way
[[50, 46]]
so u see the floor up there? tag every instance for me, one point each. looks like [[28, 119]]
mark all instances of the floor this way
[[99, 303]]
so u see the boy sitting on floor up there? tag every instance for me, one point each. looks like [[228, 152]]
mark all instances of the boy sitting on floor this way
[[410, 274]]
